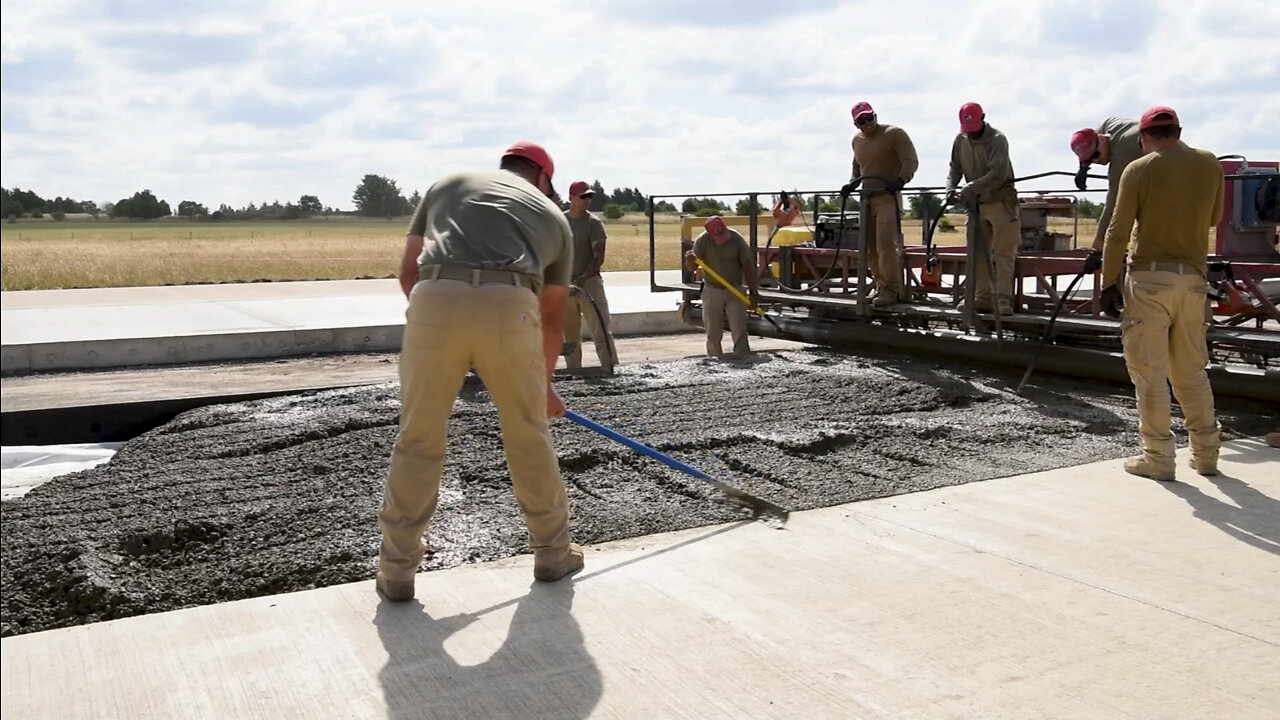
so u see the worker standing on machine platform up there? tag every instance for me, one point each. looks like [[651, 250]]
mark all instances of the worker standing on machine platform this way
[[980, 154], [727, 253], [588, 257], [1115, 144], [885, 156], [1174, 193], [486, 268]]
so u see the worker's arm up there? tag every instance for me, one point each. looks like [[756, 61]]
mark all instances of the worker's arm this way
[[409, 263], [597, 245], [749, 276], [551, 309], [857, 169], [997, 162], [1120, 228], [1216, 216], [906, 155], [956, 173], [695, 252]]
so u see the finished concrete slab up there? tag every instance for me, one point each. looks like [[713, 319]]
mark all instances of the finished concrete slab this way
[[1080, 592], [117, 327]]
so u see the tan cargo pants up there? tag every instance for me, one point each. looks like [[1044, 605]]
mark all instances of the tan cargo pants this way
[[717, 303], [884, 243], [579, 306], [451, 327], [1004, 235], [1163, 328]]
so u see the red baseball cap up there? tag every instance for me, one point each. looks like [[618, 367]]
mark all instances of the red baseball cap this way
[[534, 153], [862, 108], [1158, 116], [716, 226], [1083, 143], [970, 117], [580, 188]]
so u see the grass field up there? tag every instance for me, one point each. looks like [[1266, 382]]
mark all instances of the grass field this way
[[52, 255]]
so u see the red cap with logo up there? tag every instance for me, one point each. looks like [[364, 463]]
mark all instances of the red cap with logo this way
[[862, 108], [970, 117], [1158, 116], [534, 153], [580, 188], [716, 226], [1083, 143]]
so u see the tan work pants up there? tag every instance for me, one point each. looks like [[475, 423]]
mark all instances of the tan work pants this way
[[579, 306], [884, 243], [1004, 233], [717, 302], [451, 327], [1163, 329]]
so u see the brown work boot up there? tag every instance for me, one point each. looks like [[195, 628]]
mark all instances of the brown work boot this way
[[1273, 439], [979, 305], [550, 571], [1204, 465], [394, 590], [1143, 467], [1003, 306]]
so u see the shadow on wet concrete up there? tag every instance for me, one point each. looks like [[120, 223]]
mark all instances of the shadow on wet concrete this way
[[541, 670], [1254, 519]]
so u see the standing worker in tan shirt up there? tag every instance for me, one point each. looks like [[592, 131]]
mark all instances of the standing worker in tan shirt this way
[[588, 257], [486, 269], [1174, 193], [728, 254], [980, 154], [884, 155]]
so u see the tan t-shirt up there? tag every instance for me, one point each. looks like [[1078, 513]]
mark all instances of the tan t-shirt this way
[[886, 153], [726, 259], [588, 233], [493, 220], [1175, 196]]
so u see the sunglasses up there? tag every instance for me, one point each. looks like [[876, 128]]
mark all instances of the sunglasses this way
[[864, 120]]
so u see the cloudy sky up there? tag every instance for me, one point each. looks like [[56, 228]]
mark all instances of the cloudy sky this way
[[239, 102]]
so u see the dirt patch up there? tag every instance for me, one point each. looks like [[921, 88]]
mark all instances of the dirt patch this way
[[248, 499]]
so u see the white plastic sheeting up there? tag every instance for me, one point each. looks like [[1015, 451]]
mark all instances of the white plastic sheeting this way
[[26, 467]]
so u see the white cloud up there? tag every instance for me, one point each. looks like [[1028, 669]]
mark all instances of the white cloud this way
[[238, 103]]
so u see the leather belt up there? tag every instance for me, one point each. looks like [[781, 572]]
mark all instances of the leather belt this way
[[478, 277]]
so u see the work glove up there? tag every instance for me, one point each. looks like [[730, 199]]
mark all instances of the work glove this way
[[850, 187], [1082, 177], [953, 197], [1112, 301], [968, 194], [895, 185], [1092, 262]]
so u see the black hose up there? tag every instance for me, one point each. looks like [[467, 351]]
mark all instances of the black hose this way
[[1048, 330], [844, 201]]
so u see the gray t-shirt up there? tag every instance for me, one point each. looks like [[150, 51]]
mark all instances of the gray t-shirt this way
[[727, 259], [588, 232], [493, 220], [1125, 148]]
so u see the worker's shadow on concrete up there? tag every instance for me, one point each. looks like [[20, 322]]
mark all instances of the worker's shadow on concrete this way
[[542, 668], [1255, 522]]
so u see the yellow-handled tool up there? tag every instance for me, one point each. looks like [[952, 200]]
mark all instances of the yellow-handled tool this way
[[736, 292]]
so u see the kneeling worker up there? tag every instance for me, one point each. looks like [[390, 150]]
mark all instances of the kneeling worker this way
[[588, 257], [727, 253]]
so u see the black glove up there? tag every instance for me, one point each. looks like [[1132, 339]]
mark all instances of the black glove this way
[[850, 187], [895, 185], [1092, 262], [1082, 177], [953, 197], [1112, 301]]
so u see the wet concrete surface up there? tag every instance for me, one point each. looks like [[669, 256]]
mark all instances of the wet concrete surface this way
[[278, 495]]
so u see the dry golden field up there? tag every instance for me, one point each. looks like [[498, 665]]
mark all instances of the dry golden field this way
[[51, 255]]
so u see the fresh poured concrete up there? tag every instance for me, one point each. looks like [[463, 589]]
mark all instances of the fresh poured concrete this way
[[1079, 592]]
